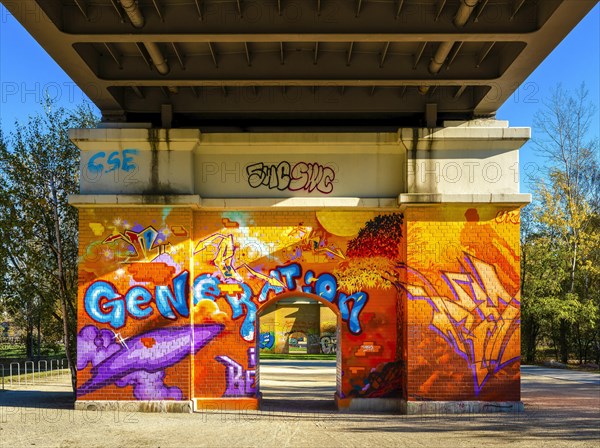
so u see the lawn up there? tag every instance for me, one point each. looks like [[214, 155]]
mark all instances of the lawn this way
[[17, 351]]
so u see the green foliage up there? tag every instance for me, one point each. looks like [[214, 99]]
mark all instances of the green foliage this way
[[8, 352], [561, 234], [39, 169]]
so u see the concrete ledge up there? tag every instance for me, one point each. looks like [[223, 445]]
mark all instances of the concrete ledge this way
[[396, 405], [474, 136], [225, 404], [300, 143], [405, 199], [440, 198], [135, 406], [137, 200], [462, 407], [299, 203], [123, 200], [142, 138]]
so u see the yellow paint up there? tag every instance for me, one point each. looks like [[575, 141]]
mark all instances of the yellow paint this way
[[97, 228], [343, 223]]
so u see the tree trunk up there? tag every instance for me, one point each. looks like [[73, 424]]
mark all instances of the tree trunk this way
[[63, 289], [564, 326], [29, 342], [530, 338], [39, 338], [563, 341]]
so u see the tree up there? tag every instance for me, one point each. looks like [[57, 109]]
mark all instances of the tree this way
[[541, 277], [566, 210], [39, 168]]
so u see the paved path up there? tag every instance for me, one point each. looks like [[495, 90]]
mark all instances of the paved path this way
[[562, 410], [297, 384], [544, 389], [530, 372]]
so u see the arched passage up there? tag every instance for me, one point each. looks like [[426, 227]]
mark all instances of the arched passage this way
[[297, 345]]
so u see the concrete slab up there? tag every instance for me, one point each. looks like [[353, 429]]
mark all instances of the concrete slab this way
[[297, 384], [562, 409]]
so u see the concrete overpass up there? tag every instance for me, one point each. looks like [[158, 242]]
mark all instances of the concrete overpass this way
[[270, 63]]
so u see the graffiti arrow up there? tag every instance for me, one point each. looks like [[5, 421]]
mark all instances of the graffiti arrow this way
[[152, 351]]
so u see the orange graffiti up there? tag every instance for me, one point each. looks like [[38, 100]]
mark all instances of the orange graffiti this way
[[148, 342], [508, 217], [230, 288], [228, 223], [367, 347], [480, 319], [179, 231]]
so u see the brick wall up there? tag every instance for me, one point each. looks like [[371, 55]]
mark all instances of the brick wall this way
[[463, 303], [428, 301], [134, 312], [129, 257]]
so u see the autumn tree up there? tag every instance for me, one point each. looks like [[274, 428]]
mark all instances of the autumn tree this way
[[39, 168], [566, 216]]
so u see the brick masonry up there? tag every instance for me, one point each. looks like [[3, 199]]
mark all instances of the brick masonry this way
[[427, 301]]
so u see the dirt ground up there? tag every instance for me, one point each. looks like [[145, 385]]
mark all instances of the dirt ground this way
[[562, 410]]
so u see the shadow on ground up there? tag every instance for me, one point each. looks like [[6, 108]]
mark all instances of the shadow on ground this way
[[37, 399]]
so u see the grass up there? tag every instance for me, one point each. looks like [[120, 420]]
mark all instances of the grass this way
[[17, 351], [297, 356]]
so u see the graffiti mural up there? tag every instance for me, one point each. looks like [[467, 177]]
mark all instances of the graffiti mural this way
[[240, 381], [461, 280], [287, 278], [426, 303], [134, 324], [328, 344], [141, 245], [139, 361], [104, 304], [245, 261], [267, 340], [479, 319], [385, 380]]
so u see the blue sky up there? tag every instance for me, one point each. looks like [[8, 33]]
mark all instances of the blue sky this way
[[575, 60], [26, 71]]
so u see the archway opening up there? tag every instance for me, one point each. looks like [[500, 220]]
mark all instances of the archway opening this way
[[299, 361]]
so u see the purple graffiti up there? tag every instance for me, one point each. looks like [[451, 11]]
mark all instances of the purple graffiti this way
[[150, 352], [240, 382], [150, 386], [94, 346]]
